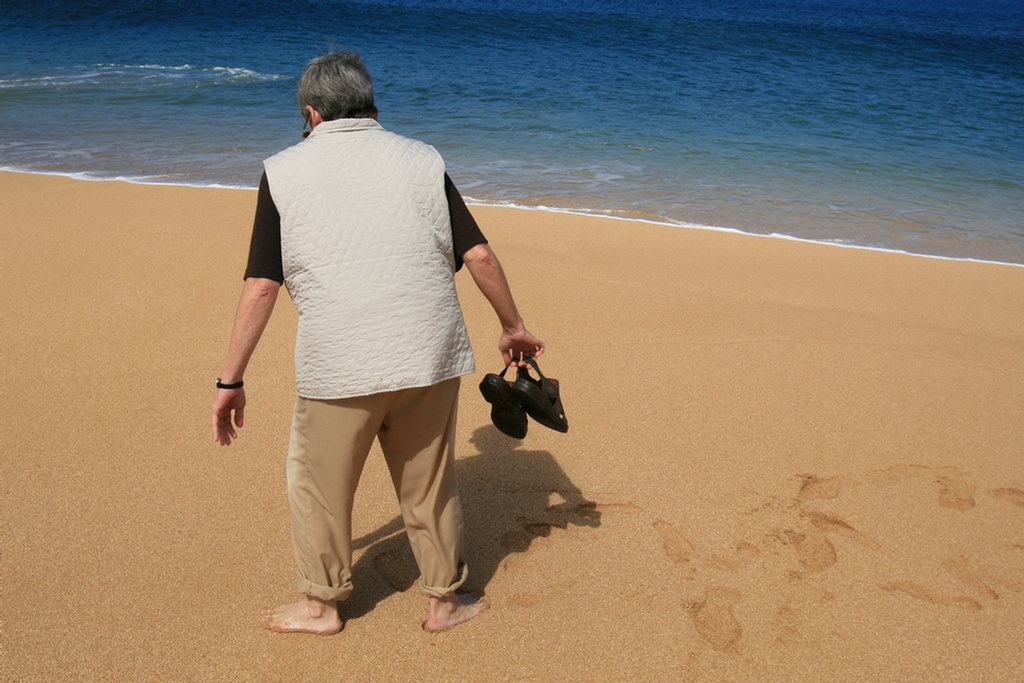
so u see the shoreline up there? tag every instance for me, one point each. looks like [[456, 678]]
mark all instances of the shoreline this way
[[470, 201], [737, 231]]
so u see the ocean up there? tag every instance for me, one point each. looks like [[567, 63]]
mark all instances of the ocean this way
[[894, 124]]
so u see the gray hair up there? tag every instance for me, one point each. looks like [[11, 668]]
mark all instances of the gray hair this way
[[338, 86]]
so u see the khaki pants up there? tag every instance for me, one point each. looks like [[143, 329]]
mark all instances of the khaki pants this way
[[329, 444]]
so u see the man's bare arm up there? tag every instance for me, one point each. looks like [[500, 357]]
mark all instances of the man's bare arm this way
[[516, 341], [254, 308]]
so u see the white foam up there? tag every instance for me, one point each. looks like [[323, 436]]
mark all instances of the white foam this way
[[134, 180], [154, 180], [97, 74], [716, 228]]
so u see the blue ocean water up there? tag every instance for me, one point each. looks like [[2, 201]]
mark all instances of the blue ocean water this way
[[895, 124]]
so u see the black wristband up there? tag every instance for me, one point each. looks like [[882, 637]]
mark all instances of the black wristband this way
[[236, 385]]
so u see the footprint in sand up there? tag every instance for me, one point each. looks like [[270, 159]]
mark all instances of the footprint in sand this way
[[834, 525], [957, 494], [921, 593], [961, 570], [814, 488], [1015, 496], [524, 600], [980, 579], [715, 621], [677, 547], [746, 551], [814, 551], [584, 513], [786, 624], [924, 471], [955, 490]]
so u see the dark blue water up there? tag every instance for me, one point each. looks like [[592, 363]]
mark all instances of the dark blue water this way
[[888, 124]]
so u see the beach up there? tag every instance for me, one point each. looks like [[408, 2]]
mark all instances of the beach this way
[[786, 461]]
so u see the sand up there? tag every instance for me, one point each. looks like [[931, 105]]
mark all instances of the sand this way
[[785, 462]]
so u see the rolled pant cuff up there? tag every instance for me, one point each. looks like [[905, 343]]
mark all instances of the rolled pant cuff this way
[[325, 593], [446, 590]]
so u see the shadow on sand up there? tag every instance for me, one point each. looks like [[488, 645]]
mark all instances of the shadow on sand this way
[[510, 497]]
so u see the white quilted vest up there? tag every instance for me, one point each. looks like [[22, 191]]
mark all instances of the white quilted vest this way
[[366, 242]]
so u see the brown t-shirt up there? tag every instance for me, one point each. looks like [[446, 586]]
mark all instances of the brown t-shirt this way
[[265, 245]]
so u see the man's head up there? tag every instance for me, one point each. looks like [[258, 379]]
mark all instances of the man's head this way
[[338, 86]]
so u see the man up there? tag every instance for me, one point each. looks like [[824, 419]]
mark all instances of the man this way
[[366, 230]]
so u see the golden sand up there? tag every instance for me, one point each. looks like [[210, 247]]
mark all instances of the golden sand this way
[[785, 462]]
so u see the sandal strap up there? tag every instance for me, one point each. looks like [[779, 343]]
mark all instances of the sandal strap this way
[[533, 362]]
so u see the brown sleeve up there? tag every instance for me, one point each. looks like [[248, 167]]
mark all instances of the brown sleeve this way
[[465, 232], [265, 245]]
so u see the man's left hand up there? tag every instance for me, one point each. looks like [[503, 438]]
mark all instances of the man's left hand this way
[[226, 402]]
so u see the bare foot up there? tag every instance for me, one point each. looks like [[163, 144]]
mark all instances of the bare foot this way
[[451, 610], [308, 615]]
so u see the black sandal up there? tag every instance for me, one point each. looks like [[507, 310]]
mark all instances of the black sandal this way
[[506, 413], [540, 398]]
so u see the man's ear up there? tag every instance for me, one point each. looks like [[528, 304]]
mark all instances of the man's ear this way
[[314, 116]]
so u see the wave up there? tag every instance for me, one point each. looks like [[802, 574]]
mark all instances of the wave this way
[[132, 179], [228, 72], [140, 76]]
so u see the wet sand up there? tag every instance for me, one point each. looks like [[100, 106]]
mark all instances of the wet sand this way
[[785, 462]]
